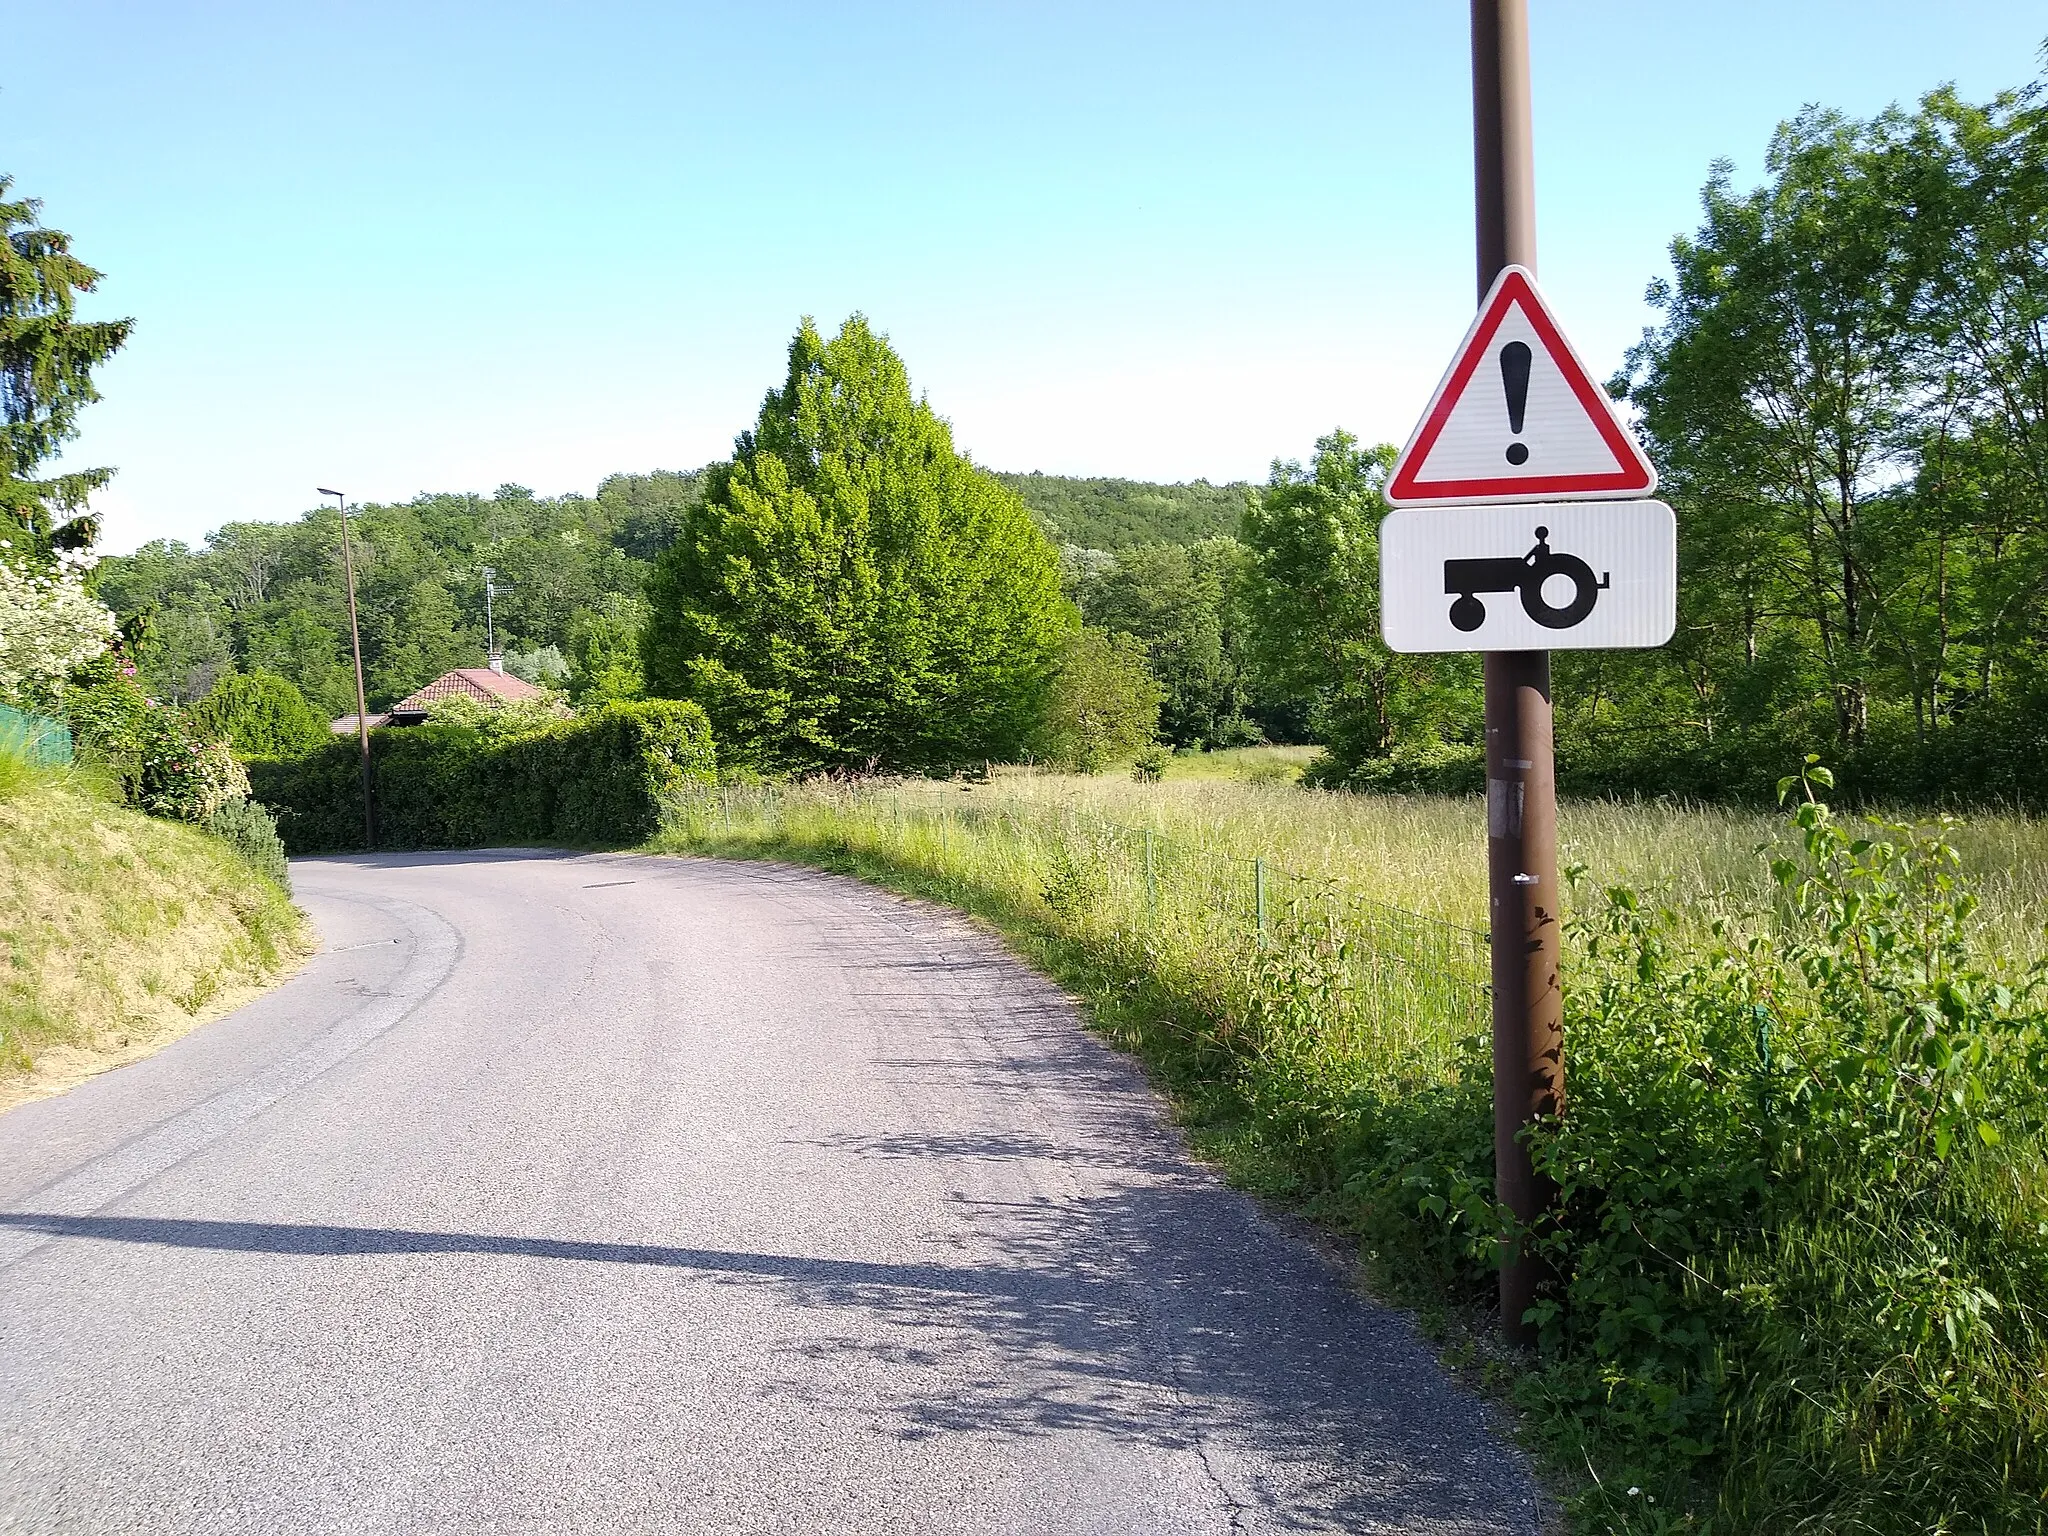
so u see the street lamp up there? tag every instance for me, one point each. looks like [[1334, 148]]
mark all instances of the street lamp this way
[[355, 638]]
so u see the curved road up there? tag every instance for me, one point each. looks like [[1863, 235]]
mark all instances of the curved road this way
[[590, 1194]]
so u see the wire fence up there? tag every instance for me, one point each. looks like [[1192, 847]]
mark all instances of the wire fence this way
[[1402, 982], [38, 738]]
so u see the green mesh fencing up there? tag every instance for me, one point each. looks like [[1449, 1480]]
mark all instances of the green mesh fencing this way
[[36, 737]]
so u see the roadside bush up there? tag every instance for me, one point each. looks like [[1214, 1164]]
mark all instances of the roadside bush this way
[[260, 715], [165, 768], [1426, 767], [1802, 1236], [1990, 754], [599, 779], [49, 622], [1104, 705], [252, 832]]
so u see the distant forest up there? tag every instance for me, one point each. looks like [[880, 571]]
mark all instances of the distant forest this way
[[569, 575], [1119, 514]]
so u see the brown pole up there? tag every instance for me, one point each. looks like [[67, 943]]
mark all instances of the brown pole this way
[[355, 640], [1521, 775]]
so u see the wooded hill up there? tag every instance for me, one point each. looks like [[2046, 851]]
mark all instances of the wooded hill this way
[[570, 571], [1119, 514]]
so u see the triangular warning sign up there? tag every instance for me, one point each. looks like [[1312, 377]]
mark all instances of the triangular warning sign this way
[[1518, 418]]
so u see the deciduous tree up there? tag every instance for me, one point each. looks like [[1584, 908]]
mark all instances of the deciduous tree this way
[[1104, 705], [852, 591], [1310, 591]]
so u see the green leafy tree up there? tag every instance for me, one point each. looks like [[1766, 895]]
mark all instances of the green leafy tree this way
[[646, 512], [1776, 391], [1310, 591], [271, 596], [300, 645], [182, 652], [1104, 706], [544, 667], [47, 357], [1979, 236], [1848, 398], [1176, 601], [260, 715], [424, 637], [1116, 514], [852, 591], [604, 651]]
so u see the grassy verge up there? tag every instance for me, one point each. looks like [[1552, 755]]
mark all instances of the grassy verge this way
[[119, 931], [1803, 1245], [1427, 853]]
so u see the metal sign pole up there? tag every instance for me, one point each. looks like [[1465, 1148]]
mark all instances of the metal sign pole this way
[[1521, 778]]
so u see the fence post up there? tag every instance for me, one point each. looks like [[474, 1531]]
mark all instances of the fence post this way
[[1151, 877], [1259, 895], [725, 806]]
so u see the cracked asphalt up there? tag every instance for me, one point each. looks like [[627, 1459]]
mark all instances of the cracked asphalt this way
[[599, 1193]]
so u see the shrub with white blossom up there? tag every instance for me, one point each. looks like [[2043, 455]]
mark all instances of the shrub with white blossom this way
[[49, 624]]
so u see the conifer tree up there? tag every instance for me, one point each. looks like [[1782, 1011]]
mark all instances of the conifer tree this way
[[851, 592], [46, 361]]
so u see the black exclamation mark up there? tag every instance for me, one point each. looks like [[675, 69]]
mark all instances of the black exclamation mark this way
[[1514, 377]]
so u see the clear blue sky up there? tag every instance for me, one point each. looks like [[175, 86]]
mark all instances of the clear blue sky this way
[[405, 247]]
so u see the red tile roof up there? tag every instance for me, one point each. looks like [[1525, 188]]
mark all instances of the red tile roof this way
[[479, 683]]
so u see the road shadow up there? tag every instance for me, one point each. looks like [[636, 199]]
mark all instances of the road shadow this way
[[1166, 1313]]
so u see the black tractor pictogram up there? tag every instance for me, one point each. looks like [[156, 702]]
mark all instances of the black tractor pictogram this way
[[1527, 572]]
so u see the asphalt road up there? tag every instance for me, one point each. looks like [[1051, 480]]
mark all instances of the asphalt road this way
[[611, 1194]]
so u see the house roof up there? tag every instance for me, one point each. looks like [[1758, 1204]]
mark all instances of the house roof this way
[[479, 683], [346, 724]]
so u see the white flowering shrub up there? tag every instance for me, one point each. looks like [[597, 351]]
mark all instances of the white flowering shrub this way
[[49, 623]]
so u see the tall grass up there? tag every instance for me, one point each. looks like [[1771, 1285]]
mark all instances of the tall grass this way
[[1427, 853], [1804, 1233], [1204, 922]]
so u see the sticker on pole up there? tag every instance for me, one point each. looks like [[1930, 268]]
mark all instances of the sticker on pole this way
[[1534, 576], [1518, 418]]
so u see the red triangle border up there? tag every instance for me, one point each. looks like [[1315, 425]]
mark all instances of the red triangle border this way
[[1637, 477]]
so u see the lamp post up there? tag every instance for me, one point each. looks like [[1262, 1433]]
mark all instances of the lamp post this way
[[355, 639]]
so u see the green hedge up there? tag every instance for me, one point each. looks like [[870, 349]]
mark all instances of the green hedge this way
[[260, 715], [595, 780]]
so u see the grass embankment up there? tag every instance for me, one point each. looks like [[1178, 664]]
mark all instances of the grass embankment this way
[[1804, 1240], [120, 931]]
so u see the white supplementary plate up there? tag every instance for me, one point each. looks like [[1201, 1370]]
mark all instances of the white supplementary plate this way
[[1536, 576]]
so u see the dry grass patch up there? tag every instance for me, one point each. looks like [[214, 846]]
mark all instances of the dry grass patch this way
[[118, 933]]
